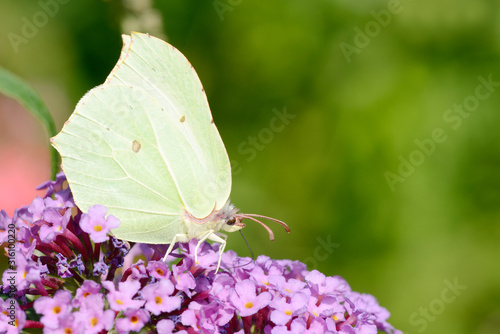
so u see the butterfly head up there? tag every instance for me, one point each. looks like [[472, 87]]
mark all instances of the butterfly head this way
[[234, 223], [232, 220]]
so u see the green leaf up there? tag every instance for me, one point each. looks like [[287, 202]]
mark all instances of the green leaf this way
[[13, 86]]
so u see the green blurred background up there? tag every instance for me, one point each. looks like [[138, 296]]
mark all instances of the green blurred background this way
[[362, 83]]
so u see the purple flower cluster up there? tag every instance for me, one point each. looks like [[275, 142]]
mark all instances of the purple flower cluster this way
[[67, 275]]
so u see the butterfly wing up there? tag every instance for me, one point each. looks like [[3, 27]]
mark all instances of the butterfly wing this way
[[165, 74], [145, 146]]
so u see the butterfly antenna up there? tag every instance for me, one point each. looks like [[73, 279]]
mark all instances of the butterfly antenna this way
[[282, 223], [252, 217]]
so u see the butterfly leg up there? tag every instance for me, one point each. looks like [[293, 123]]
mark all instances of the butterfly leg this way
[[221, 239], [177, 237], [204, 237]]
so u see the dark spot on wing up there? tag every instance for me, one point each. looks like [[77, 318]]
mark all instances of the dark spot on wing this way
[[136, 146], [212, 121], [183, 118]]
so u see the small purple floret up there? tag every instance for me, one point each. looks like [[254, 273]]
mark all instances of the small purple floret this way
[[97, 225]]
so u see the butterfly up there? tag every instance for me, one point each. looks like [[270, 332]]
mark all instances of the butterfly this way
[[144, 144]]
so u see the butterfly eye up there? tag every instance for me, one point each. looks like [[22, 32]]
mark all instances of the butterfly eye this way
[[231, 221]]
